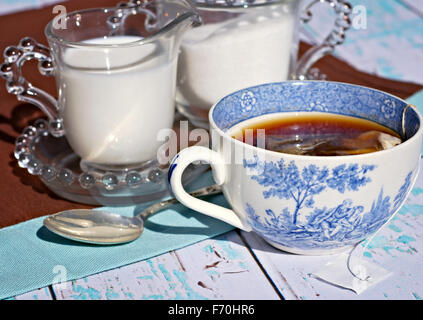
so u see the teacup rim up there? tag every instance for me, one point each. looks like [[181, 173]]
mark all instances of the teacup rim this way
[[402, 145]]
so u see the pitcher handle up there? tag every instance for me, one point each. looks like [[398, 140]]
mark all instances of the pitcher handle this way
[[11, 70], [335, 38], [181, 161]]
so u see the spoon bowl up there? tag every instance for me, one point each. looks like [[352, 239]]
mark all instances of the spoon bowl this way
[[92, 226], [107, 228]]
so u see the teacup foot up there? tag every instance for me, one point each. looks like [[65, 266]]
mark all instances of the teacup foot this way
[[316, 252]]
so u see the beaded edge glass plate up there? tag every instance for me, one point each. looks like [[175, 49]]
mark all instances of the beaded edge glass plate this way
[[55, 163]]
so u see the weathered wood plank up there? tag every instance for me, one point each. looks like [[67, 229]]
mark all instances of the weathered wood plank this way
[[220, 268]]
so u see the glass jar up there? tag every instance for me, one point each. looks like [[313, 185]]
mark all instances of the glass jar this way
[[243, 43]]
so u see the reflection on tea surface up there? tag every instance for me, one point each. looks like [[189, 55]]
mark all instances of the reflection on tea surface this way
[[316, 134]]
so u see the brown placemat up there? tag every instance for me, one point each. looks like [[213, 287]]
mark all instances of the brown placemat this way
[[22, 196]]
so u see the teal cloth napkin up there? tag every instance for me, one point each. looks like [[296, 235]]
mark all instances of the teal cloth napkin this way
[[29, 252]]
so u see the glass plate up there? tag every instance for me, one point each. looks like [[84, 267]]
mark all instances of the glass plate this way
[[53, 160]]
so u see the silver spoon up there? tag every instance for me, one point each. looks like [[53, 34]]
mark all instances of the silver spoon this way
[[106, 228]]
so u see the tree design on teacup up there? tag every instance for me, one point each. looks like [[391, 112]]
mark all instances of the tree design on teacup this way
[[286, 181], [306, 226]]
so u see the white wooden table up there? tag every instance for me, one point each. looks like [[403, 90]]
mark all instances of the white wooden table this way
[[239, 265]]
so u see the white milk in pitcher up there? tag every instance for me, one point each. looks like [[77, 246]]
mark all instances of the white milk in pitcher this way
[[116, 100], [220, 58]]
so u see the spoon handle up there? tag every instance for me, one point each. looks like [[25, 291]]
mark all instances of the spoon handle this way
[[210, 190]]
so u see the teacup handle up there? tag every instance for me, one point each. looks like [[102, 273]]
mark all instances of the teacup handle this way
[[11, 70], [181, 161], [335, 38]]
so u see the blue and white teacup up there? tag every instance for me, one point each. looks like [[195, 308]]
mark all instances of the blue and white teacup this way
[[306, 204]]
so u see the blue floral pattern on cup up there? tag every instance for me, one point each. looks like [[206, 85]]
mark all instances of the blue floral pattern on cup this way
[[172, 167], [340, 98], [308, 227]]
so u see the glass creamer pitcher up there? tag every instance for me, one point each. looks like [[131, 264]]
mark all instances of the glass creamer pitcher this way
[[115, 70], [243, 43]]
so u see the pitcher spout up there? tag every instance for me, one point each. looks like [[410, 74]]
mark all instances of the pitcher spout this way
[[182, 22], [166, 21], [168, 17]]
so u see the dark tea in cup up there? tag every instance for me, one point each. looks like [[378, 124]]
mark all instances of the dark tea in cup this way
[[316, 134]]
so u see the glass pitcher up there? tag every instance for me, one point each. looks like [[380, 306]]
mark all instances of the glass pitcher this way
[[115, 70], [244, 43]]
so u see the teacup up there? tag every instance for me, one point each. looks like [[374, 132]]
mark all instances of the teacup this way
[[306, 204], [115, 70]]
